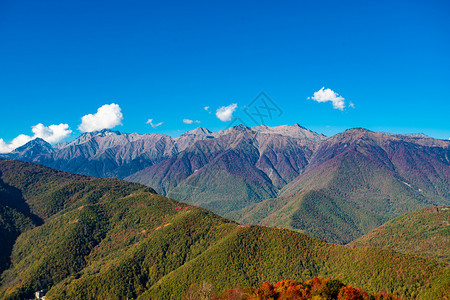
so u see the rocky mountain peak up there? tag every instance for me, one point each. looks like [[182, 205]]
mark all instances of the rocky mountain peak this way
[[102, 133], [294, 131], [198, 131], [34, 147], [237, 129], [355, 135], [90, 135], [241, 127], [299, 126]]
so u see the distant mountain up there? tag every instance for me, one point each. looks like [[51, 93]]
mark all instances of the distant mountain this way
[[33, 149], [296, 131], [199, 131], [335, 188], [425, 232], [236, 168], [107, 153], [356, 181], [115, 138], [110, 239]]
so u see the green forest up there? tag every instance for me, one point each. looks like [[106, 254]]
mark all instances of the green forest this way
[[87, 238]]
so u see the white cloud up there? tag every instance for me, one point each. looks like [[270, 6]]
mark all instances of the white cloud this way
[[20, 140], [51, 134], [3, 147], [188, 121], [207, 109], [225, 113], [325, 95], [150, 121], [107, 116]]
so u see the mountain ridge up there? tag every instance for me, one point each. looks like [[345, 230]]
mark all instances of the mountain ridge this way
[[279, 176]]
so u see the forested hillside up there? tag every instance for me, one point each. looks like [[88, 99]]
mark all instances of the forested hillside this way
[[424, 232], [106, 238]]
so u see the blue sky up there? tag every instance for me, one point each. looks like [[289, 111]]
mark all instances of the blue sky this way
[[167, 60]]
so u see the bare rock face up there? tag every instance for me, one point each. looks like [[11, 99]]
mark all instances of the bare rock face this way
[[296, 131]]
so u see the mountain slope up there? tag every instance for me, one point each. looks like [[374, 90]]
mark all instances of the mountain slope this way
[[14, 219], [31, 194], [109, 239], [106, 153], [285, 176], [355, 182], [33, 149], [239, 167], [425, 232]]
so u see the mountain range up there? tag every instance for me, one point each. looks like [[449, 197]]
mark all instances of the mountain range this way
[[334, 188], [89, 238]]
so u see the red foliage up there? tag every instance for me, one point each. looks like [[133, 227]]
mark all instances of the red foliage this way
[[291, 289], [186, 208], [351, 293], [266, 291], [234, 294], [295, 290]]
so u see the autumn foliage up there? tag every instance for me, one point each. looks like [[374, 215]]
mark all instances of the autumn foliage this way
[[316, 288]]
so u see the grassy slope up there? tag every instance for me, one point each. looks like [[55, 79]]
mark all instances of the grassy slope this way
[[425, 232], [111, 239]]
